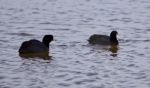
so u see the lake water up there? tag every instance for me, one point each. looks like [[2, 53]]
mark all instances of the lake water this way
[[75, 63]]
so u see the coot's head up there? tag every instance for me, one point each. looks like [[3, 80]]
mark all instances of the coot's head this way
[[113, 33], [47, 39], [113, 38]]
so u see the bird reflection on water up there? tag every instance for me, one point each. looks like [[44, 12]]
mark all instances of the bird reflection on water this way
[[114, 49], [43, 55]]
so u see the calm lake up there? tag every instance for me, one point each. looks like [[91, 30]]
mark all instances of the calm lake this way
[[75, 63]]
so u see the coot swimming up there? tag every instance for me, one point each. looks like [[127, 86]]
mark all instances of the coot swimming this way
[[35, 47], [104, 39]]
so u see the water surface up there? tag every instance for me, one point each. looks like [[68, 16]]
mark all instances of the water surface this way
[[75, 63]]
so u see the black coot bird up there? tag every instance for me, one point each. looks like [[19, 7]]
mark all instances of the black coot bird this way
[[103, 39], [33, 48]]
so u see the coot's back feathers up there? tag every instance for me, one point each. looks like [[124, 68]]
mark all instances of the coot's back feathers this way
[[98, 39], [33, 46]]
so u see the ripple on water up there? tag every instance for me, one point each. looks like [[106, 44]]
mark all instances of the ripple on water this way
[[3, 41], [21, 34], [84, 81], [46, 23], [73, 78], [58, 29], [64, 84]]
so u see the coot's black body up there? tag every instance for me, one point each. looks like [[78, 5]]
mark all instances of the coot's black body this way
[[103, 39], [35, 46]]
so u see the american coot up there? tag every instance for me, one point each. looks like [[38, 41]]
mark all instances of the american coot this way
[[103, 39], [33, 48]]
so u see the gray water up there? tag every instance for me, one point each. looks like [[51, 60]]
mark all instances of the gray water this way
[[75, 63]]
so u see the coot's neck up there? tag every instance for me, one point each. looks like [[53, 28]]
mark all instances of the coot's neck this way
[[113, 39], [46, 44]]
